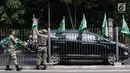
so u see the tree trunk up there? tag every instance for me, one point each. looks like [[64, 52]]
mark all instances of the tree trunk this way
[[75, 16], [71, 20]]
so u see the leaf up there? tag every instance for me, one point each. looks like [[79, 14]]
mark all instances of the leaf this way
[[21, 21], [4, 17], [15, 16], [9, 21], [21, 12], [66, 1], [1, 9]]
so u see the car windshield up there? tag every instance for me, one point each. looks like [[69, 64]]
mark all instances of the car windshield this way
[[85, 36], [96, 36]]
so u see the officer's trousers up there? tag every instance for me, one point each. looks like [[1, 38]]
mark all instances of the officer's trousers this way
[[42, 55], [12, 56]]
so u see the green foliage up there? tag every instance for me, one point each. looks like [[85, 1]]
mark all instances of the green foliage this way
[[13, 4], [66, 1], [4, 17], [11, 12], [18, 12]]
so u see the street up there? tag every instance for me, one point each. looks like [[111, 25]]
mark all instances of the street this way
[[30, 60]]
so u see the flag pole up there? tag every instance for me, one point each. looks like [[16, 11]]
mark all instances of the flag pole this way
[[49, 40]]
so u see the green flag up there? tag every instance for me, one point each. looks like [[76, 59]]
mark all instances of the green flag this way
[[34, 25], [61, 29], [104, 26], [83, 24], [5, 41], [18, 44], [125, 28]]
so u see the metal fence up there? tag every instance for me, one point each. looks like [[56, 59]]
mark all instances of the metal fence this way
[[88, 46], [71, 46]]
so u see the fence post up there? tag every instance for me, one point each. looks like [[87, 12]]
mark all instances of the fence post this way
[[49, 33], [117, 49], [110, 28]]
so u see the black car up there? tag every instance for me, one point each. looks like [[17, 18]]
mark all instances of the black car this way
[[87, 46]]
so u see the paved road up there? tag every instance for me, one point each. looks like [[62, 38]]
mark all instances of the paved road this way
[[67, 71], [30, 60]]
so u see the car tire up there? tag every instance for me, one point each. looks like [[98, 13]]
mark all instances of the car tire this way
[[55, 59], [111, 59]]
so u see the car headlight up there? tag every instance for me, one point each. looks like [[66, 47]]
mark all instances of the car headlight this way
[[123, 45], [126, 53]]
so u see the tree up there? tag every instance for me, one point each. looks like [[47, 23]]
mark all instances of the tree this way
[[11, 12], [69, 11], [75, 3]]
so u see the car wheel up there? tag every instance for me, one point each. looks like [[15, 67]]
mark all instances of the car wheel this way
[[55, 59], [111, 59]]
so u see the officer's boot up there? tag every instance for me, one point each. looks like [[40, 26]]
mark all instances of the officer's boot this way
[[37, 67], [8, 68], [44, 67], [18, 68], [41, 63]]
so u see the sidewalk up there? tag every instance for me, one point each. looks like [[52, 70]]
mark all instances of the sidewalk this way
[[76, 67]]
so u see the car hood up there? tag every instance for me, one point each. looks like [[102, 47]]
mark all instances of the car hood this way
[[120, 44]]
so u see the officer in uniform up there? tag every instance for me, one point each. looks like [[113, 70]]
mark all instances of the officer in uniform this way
[[11, 52], [42, 48]]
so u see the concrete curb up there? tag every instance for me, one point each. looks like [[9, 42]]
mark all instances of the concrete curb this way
[[75, 67]]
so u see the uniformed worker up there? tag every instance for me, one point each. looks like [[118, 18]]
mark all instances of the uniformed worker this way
[[42, 48], [11, 52]]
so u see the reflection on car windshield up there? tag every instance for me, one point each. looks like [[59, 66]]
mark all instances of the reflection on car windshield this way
[[92, 36], [85, 36]]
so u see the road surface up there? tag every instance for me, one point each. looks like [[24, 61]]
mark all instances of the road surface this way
[[30, 60]]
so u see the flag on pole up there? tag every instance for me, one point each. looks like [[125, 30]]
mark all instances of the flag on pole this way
[[83, 24], [125, 28], [34, 25], [61, 29], [104, 26]]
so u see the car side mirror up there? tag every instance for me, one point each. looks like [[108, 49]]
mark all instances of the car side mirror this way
[[99, 41]]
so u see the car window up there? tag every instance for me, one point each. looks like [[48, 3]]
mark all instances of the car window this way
[[96, 37], [85, 36], [88, 37], [72, 36]]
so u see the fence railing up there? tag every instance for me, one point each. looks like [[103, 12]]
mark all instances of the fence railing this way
[[72, 46]]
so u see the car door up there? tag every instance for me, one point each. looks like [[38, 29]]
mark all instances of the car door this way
[[91, 48], [73, 48], [58, 46]]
